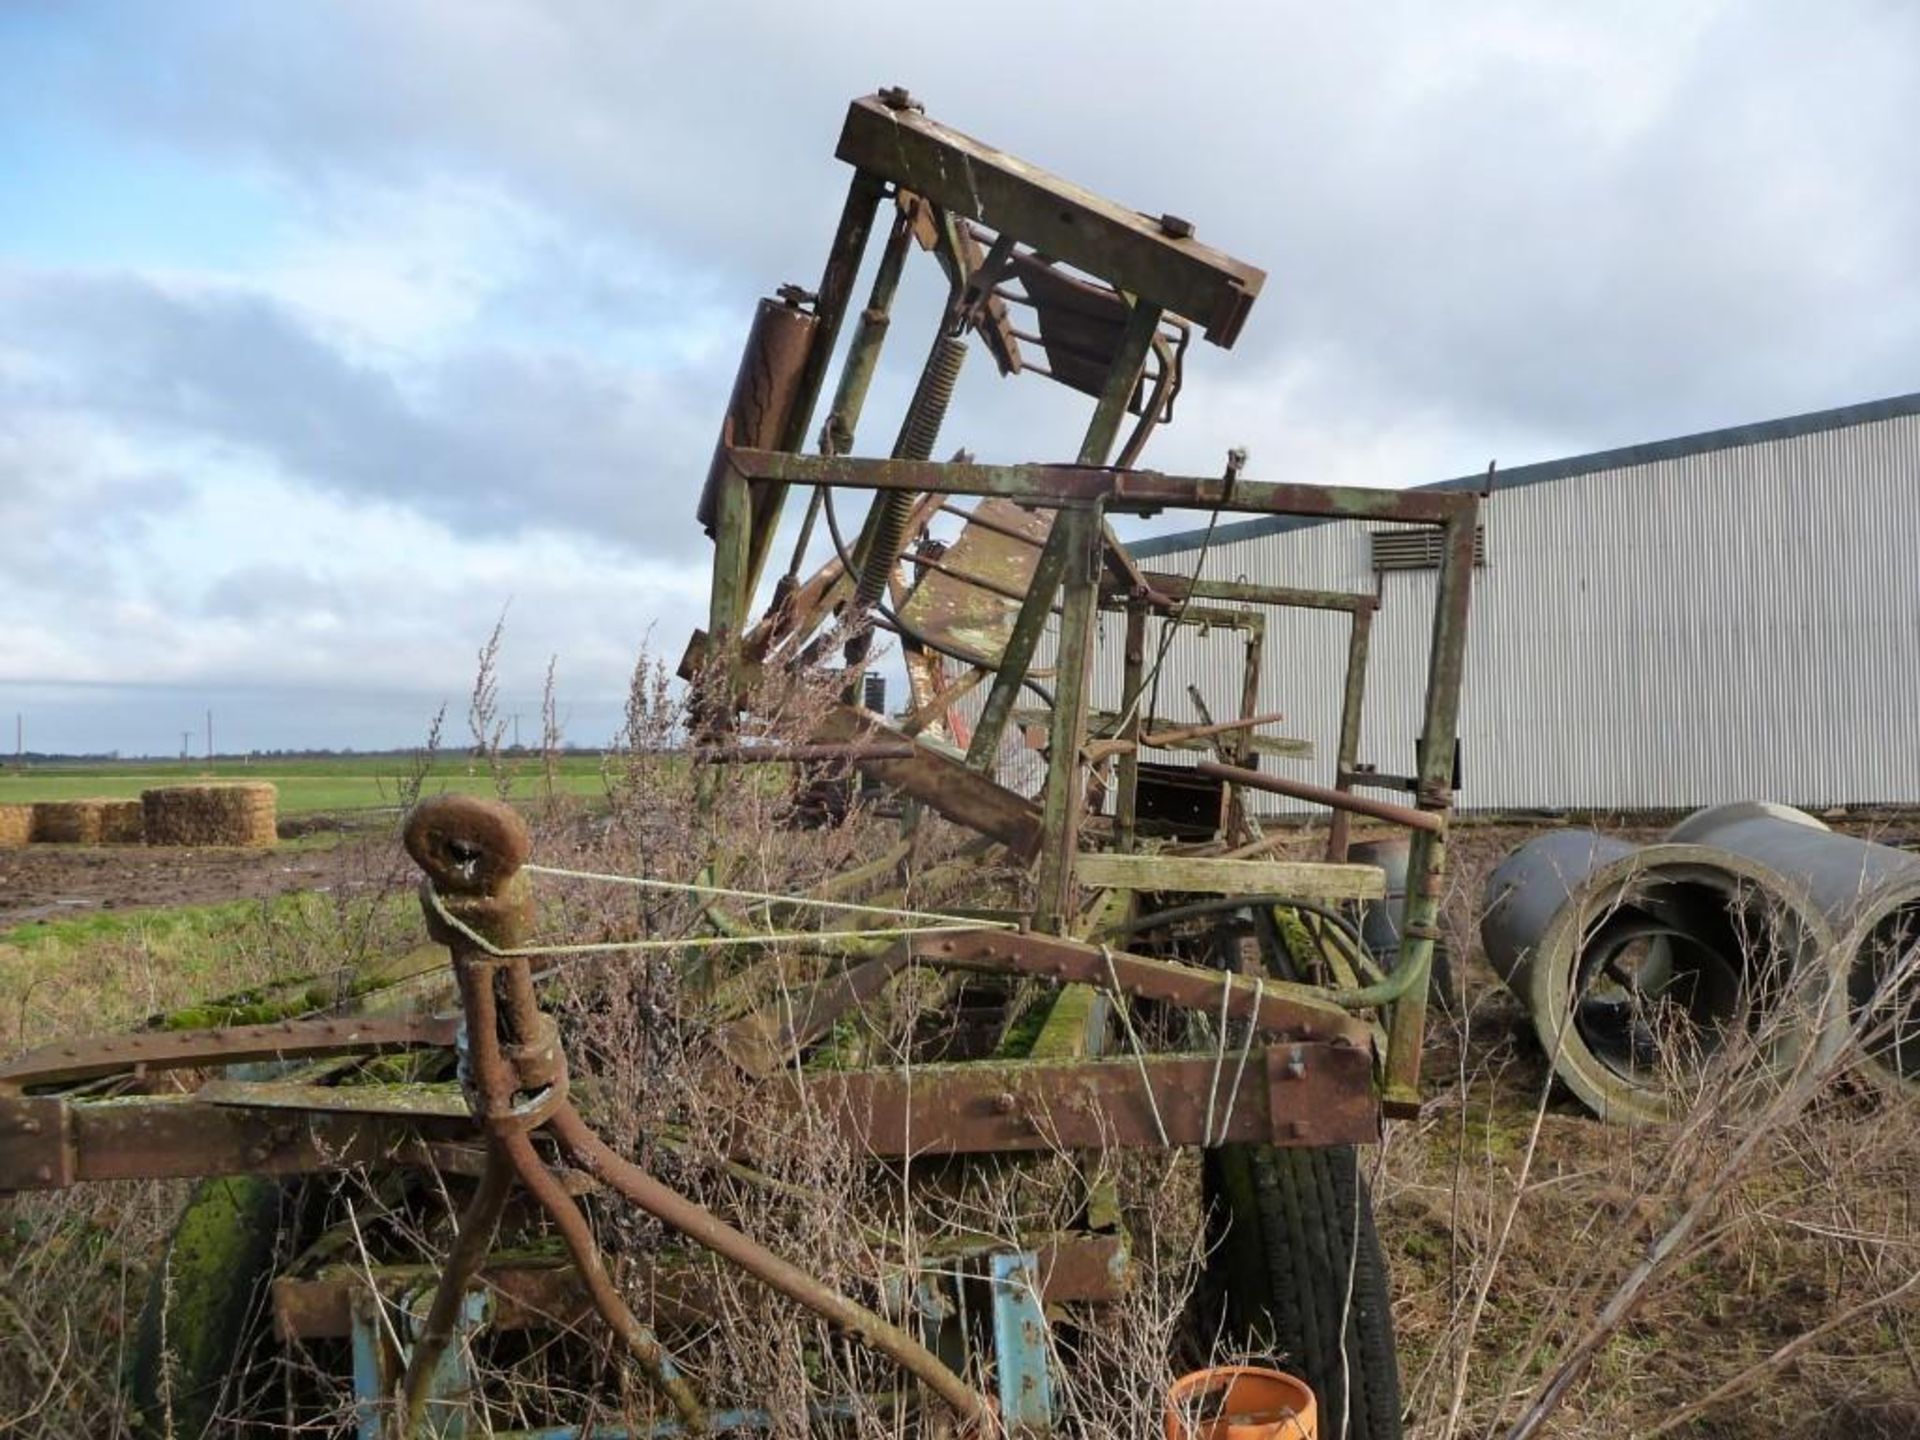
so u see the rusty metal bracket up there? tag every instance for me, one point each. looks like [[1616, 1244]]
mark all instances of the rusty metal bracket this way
[[1306, 1093], [64, 1062], [36, 1144]]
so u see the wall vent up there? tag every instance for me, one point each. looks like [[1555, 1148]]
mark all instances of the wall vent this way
[[1418, 547]]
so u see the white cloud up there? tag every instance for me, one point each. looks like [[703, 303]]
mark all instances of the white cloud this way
[[493, 330]]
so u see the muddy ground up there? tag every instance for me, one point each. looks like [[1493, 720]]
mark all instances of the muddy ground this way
[[65, 882]]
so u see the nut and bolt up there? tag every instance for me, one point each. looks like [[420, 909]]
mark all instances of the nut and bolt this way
[[1175, 227], [898, 97]]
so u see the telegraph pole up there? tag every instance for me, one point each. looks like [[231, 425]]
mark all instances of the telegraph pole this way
[[209, 739]]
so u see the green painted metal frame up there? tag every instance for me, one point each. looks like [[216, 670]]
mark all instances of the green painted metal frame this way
[[1085, 491], [1157, 267]]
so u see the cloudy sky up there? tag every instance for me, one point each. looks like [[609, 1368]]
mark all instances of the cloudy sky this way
[[330, 330]]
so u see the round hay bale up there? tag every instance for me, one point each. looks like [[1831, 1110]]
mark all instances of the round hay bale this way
[[122, 822], [67, 822], [16, 825], [238, 814]]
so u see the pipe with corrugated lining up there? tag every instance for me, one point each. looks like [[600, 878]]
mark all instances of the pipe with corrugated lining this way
[[1870, 895], [1639, 964]]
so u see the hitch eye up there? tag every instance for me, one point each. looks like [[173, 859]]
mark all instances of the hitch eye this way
[[466, 844]]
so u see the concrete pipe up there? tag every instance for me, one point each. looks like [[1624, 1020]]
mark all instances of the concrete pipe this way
[[1638, 964], [1870, 895]]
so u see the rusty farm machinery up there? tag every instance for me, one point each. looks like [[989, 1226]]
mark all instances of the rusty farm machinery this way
[[1187, 989]]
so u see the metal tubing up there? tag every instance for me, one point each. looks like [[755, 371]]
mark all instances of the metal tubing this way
[[1347, 748], [715, 1234], [1870, 894], [986, 522], [464, 1257], [1424, 820], [836, 289], [578, 1238], [1247, 721], [982, 582], [494, 1083], [1132, 682], [869, 336], [1381, 920]]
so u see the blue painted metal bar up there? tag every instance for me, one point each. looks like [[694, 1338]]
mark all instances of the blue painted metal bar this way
[[1022, 1354], [376, 1370], [370, 1368]]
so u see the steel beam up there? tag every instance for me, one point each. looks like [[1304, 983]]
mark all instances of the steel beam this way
[[1122, 491], [1157, 260], [1302, 1093]]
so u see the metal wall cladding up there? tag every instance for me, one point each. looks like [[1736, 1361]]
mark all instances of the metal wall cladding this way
[[1731, 624]]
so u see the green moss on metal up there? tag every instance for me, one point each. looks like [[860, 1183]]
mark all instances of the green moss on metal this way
[[199, 1302]]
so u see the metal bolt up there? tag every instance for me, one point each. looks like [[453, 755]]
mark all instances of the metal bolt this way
[[898, 97], [1176, 228], [1005, 1103], [44, 1174], [29, 1127], [795, 296]]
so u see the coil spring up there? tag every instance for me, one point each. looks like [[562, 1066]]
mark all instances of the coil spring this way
[[919, 432]]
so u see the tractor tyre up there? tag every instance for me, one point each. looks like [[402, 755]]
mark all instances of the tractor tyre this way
[[206, 1303], [1295, 1272]]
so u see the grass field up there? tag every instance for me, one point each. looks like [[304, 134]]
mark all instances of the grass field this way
[[317, 785]]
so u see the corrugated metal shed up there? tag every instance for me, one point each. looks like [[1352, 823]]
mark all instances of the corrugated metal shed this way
[[1720, 617]]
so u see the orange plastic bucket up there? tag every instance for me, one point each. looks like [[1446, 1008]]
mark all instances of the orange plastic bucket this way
[[1241, 1402]]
